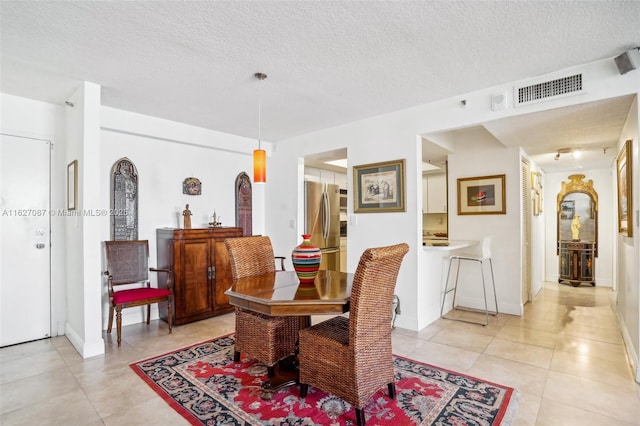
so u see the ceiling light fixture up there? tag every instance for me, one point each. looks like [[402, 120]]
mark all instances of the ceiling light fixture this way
[[575, 153], [259, 155]]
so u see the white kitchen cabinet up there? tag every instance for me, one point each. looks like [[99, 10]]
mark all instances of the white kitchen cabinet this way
[[325, 176], [341, 180], [436, 193]]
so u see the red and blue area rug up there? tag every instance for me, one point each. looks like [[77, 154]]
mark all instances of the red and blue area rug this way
[[205, 385]]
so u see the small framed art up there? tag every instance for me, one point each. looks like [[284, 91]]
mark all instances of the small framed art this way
[[379, 187], [482, 195], [624, 173]]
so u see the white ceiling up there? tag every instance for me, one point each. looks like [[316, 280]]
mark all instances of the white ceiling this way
[[328, 62]]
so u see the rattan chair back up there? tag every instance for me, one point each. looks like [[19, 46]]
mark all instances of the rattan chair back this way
[[372, 294], [250, 256]]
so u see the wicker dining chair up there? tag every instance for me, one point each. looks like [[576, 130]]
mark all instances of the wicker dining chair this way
[[265, 338], [351, 357]]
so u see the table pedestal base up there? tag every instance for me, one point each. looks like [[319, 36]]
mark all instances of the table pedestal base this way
[[286, 374]]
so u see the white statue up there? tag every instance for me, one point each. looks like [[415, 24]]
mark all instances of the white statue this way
[[575, 227]]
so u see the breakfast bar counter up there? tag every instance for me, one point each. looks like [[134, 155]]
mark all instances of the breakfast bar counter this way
[[433, 265], [447, 245]]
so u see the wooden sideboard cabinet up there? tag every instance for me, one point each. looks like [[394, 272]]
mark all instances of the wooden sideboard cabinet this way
[[577, 262], [201, 271]]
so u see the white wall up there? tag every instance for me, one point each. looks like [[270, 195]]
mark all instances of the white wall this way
[[479, 160], [165, 153], [603, 182], [628, 248]]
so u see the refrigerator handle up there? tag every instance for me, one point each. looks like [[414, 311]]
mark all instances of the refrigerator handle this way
[[325, 216]]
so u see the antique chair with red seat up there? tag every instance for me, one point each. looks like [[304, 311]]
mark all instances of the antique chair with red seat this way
[[128, 266], [265, 338], [351, 357]]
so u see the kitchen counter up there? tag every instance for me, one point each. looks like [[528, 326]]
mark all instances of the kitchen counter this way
[[437, 245]]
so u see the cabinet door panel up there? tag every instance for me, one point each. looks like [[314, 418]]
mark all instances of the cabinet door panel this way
[[437, 193], [195, 293], [223, 275]]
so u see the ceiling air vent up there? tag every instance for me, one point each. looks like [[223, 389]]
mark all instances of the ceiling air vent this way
[[561, 87]]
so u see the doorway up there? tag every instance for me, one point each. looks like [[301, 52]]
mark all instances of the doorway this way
[[25, 250]]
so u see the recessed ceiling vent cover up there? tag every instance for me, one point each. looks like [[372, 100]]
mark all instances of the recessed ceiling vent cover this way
[[558, 88]]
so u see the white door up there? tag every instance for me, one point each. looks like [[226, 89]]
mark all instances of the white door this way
[[25, 279]]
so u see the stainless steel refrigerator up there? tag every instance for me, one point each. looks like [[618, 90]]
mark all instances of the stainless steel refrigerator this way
[[322, 221]]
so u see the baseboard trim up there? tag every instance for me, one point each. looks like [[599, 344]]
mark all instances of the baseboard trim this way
[[85, 350], [631, 353]]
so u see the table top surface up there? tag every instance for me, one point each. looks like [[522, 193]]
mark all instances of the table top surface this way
[[281, 293]]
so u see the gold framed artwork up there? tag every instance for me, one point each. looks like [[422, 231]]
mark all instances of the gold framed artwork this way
[[72, 185], [624, 173], [536, 192], [482, 195], [379, 187]]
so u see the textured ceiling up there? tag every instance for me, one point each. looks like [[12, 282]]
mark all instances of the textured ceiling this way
[[328, 62]]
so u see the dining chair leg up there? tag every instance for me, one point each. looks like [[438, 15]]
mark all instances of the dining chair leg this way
[[392, 390], [110, 319], [304, 388], [169, 315], [148, 314], [359, 417], [236, 356], [119, 324]]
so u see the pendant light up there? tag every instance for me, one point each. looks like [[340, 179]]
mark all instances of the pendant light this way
[[259, 155]]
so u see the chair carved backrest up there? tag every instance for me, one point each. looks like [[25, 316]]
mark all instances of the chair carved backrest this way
[[127, 261], [372, 294], [250, 256]]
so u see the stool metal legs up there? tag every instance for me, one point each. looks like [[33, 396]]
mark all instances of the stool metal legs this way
[[455, 288]]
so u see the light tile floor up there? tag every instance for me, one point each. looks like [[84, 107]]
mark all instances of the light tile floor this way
[[565, 356]]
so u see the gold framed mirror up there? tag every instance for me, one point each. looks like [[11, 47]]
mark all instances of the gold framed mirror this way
[[577, 231], [577, 202]]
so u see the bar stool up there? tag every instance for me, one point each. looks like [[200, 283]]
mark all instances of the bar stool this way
[[485, 257]]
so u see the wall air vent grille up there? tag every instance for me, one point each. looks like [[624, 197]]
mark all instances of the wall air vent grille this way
[[561, 87]]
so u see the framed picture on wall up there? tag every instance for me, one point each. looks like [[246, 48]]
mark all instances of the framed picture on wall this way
[[624, 174], [482, 195], [379, 187], [72, 185]]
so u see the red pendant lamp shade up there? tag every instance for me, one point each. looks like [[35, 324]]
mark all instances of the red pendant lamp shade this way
[[259, 166]]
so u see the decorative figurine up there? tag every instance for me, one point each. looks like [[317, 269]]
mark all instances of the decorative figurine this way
[[216, 221], [575, 228], [187, 217]]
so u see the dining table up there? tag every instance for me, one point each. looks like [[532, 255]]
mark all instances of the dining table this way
[[281, 293]]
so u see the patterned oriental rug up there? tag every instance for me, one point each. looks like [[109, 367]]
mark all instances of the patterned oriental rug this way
[[204, 385]]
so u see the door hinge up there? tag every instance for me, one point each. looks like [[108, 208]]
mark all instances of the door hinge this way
[[211, 272]]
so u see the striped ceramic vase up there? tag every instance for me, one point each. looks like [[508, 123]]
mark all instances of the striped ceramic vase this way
[[306, 260]]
